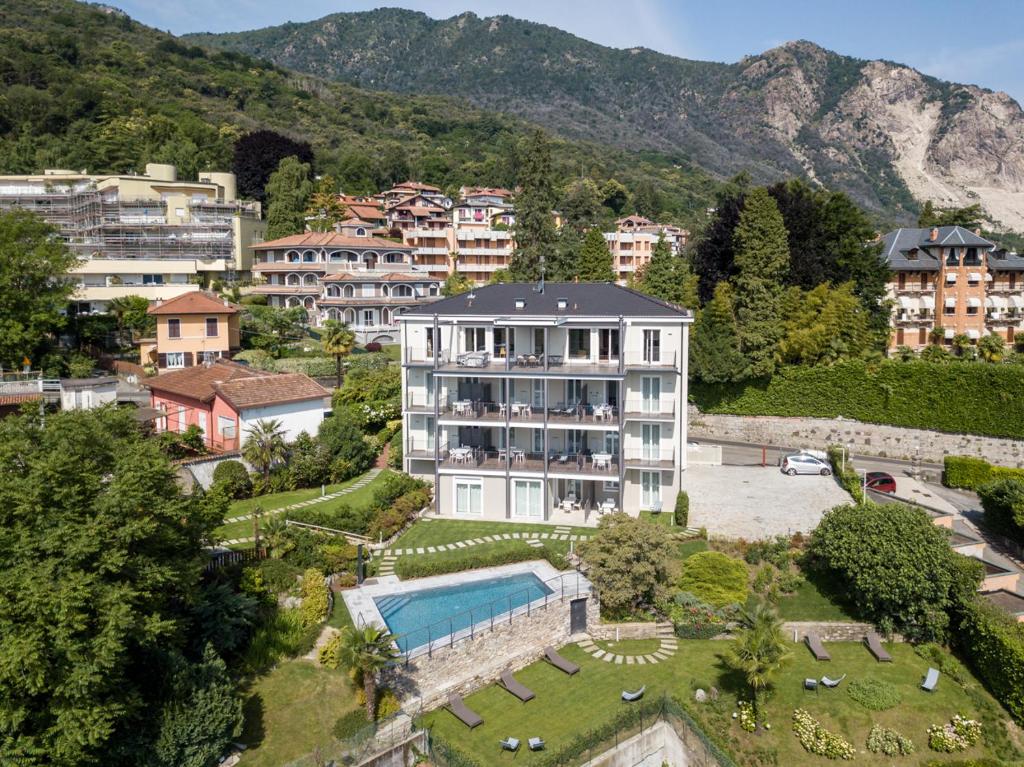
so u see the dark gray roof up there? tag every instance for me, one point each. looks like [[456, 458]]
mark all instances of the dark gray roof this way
[[585, 299], [1005, 260], [85, 383], [898, 245]]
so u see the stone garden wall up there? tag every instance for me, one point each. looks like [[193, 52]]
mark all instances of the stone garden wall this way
[[838, 631]]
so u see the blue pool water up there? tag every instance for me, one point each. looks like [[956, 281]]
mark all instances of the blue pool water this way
[[419, 617]]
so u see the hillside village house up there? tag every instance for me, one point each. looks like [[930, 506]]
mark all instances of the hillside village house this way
[[951, 279], [191, 329], [347, 275], [633, 241], [555, 404], [225, 399]]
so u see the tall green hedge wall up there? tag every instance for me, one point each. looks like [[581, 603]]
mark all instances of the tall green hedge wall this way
[[994, 644], [966, 398], [971, 473]]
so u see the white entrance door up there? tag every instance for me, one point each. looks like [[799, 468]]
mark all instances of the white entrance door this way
[[652, 394], [528, 499], [651, 488], [651, 433], [202, 422], [469, 497]]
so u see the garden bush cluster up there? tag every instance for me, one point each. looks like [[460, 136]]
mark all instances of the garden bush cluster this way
[[694, 619], [970, 473], [958, 734], [874, 694], [315, 598], [965, 398], [817, 740], [714, 578], [1003, 503], [469, 559], [882, 740]]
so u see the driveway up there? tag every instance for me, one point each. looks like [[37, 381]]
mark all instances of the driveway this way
[[753, 502]]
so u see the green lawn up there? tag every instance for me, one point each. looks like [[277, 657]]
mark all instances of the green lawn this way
[[813, 601], [437, 531], [565, 705], [291, 710], [688, 548], [339, 617], [663, 518]]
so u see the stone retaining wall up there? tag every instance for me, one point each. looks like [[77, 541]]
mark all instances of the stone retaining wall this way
[[616, 631], [837, 631], [867, 438]]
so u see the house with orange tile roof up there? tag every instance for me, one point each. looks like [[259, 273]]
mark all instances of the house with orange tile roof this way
[[633, 241], [225, 399], [191, 329]]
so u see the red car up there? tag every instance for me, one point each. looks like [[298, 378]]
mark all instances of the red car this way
[[880, 481]]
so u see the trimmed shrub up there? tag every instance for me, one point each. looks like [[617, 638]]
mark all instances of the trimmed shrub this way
[[231, 478], [255, 358], [965, 471], [714, 578], [351, 724], [874, 694], [817, 740], [882, 740], [842, 468], [1003, 502], [315, 598], [469, 559], [993, 643], [279, 575], [373, 346], [314, 367], [395, 450], [682, 514], [963, 398], [941, 659]]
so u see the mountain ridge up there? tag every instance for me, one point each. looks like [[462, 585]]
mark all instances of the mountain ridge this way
[[882, 131]]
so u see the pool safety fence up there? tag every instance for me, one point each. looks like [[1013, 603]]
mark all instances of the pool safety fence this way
[[395, 733]]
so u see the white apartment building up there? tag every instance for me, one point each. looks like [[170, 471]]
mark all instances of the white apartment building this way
[[633, 242], [553, 404]]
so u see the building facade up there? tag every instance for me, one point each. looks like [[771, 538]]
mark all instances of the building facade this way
[[949, 281], [149, 235], [553, 406], [633, 241], [347, 275], [191, 329]]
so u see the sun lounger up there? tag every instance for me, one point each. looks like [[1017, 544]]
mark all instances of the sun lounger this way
[[874, 643], [832, 683], [930, 680], [629, 697], [559, 662], [814, 643], [510, 744], [536, 744], [469, 718], [518, 689]]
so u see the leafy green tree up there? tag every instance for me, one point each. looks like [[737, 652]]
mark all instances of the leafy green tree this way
[[992, 347], [34, 286], [969, 217], [713, 254], [628, 562], [499, 276], [367, 652], [759, 648], [762, 259], [132, 313], [456, 283], [896, 566], [823, 325], [288, 193], [270, 328], [1003, 504], [581, 205], [646, 199], [343, 438], [258, 154], [716, 342], [338, 340], [535, 233], [264, 445], [963, 347], [99, 563], [668, 277], [614, 195], [595, 260], [324, 209], [935, 353], [562, 263]]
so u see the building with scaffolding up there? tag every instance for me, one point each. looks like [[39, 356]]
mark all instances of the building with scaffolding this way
[[148, 235]]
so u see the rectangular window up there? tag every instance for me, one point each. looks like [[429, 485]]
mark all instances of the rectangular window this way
[[174, 328], [902, 280], [500, 334], [922, 336], [527, 495], [947, 309], [608, 344], [212, 330], [924, 282], [579, 343], [175, 359], [226, 427], [469, 497], [651, 387], [952, 259], [972, 257], [476, 339], [538, 340], [611, 486], [152, 279], [652, 346], [651, 488], [538, 440], [899, 336]]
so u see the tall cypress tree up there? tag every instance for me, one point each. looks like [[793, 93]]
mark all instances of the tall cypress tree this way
[[288, 191], [668, 277], [535, 232], [595, 261], [762, 260], [715, 351]]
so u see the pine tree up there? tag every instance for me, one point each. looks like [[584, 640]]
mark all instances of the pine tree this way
[[535, 232], [715, 351], [762, 259], [325, 209], [561, 264], [595, 261], [288, 191], [668, 277]]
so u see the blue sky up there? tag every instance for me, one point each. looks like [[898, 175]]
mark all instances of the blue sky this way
[[980, 42]]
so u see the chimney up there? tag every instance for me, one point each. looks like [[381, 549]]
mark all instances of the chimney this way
[[935, 234], [978, 231], [226, 302]]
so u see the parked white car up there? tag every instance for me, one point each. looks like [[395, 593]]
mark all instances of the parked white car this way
[[801, 463]]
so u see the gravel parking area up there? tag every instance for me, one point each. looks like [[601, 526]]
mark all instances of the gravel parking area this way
[[754, 502]]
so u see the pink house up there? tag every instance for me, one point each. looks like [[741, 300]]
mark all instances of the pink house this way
[[225, 399]]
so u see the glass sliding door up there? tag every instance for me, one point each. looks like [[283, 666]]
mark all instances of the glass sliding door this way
[[651, 394], [650, 485], [528, 498], [651, 434], [652, 346], [469, 497]]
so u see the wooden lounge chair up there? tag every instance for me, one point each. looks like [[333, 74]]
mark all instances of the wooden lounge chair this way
[[832, 683], [469, 718], [874, 643], [814, 643], [559, 662], [931, 679], [510, 744], [536, 744], [518, 689], [629, 697]]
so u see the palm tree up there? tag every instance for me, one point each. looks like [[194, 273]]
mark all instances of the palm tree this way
[[275, 537], [131, 313], [367, 651], [338, 340], [759, 649], [265, 445], [992, 347]]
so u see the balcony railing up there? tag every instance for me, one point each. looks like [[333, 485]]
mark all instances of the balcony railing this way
[[639, 407], [519, 459], [649, 456], [526, 412]]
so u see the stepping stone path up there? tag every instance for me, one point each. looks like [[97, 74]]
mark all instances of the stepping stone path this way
[[667, 649], [390, 556], [363, 481]]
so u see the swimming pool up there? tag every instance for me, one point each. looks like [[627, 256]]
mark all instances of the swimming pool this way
[[418, 617]]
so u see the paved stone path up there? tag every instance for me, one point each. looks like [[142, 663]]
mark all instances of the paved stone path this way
[[667, 649], [389, 557], [363, 481]]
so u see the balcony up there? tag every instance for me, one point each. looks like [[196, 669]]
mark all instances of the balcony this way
[[649, 458], [574, 415], [518, 460], [640, 409]]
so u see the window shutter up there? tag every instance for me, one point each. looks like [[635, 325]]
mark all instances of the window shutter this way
[[188, 359], [161, 360]]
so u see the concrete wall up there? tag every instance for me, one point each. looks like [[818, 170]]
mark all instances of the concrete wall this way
[[617, 631], [867, 438], [838, 631], [295, 417], [656, 746], [402, 754]]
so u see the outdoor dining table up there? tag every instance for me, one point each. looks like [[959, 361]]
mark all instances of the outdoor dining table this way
[[521, 408], [463, 407], [461, 454], [518, 454], [602, 460]]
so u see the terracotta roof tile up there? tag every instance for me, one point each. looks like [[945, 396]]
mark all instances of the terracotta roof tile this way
[[197, 382], [245, 393], [329, 240], [196, 302], [6, 400]]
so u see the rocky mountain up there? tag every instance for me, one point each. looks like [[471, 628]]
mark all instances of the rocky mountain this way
[[883, 132]]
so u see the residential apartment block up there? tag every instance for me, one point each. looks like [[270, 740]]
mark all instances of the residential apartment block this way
[[150, 235], [347, 275], [556, 404], [952, 279], [191, 329], [633, 241]]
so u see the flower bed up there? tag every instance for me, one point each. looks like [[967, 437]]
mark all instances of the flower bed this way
[[882, 740], [747, 718], [958, 735], [817, 740]]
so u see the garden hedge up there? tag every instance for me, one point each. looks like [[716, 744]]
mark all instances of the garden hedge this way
[[420, 566], [961, 397], [1003, 503], [993, 643], [682, 513], [971, 473]]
